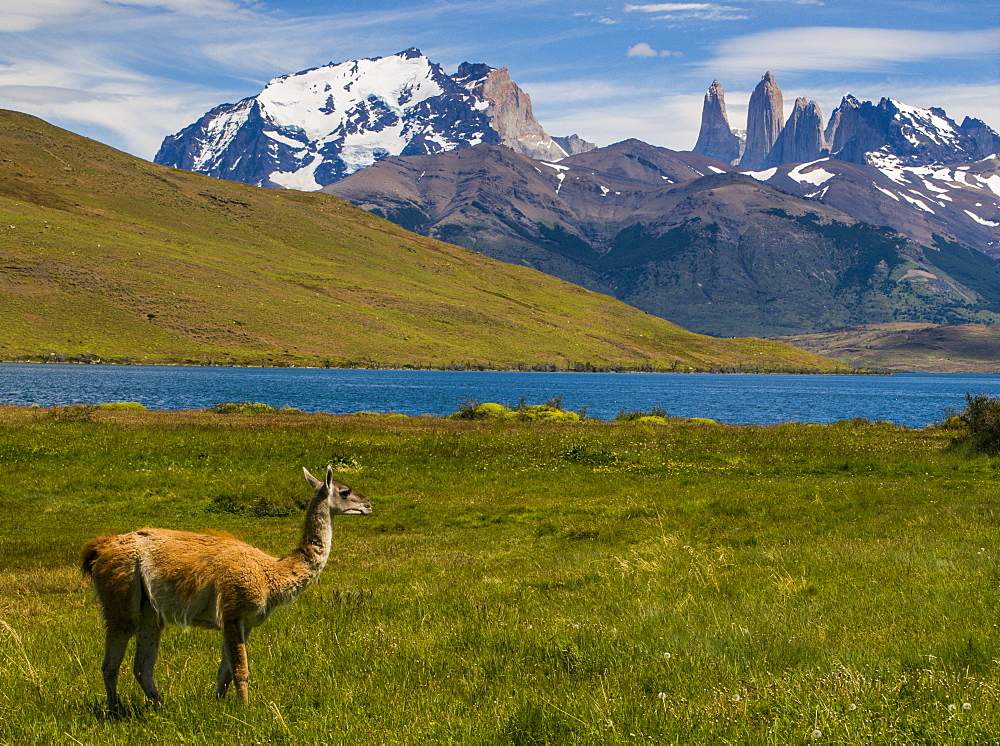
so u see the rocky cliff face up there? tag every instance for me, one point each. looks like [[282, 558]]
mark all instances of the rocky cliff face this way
[[891, 132], [574, 144], [310, 129], [716, 138], [801, 140], [765, 119], [509, 111], [986, 141]]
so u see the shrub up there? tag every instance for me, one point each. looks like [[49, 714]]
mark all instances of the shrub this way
[[657, 415], [543, 413], [473, 410], [243, 407], [650, 419], [981, 418], [122, 406]]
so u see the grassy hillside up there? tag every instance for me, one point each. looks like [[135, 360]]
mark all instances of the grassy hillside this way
[[106, 256], [960, 348], [618, 583]]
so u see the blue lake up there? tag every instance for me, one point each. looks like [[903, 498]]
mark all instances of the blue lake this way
[[910, 399]]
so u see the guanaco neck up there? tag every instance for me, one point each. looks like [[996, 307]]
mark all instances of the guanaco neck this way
[[317, 533], [309, 558]]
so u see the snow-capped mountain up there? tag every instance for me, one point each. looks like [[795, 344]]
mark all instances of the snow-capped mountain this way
[[894, 134], [312, 128], [889, 133]]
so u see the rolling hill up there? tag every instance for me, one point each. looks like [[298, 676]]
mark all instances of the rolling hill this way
[[927, 348], [108, 257]]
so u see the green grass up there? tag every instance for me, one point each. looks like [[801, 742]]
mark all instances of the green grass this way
[[523, 582], [104, 256]]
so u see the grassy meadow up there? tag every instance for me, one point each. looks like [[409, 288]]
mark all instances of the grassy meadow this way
[[522, 582]]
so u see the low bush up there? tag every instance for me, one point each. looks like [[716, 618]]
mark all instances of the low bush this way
[[981, 418], [551, 411], [656, 415], [247, 407], [122, 406]]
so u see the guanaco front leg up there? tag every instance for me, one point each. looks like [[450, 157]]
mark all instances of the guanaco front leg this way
[[234, 666], [225, 676]]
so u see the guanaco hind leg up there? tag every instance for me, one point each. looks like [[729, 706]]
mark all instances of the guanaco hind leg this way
[[115, 642], [147, 648]]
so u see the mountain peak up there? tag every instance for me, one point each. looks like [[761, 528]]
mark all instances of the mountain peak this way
[[765, 119], [716, 138]]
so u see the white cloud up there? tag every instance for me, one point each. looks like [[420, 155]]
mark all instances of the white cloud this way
[[642, 49], [184, 7], [690, 11], [671, 7], [845, 49]]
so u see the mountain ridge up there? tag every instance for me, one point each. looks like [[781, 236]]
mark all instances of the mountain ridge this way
[[689, 238]]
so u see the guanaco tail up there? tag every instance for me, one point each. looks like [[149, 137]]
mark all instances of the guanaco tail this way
[[153, 577]]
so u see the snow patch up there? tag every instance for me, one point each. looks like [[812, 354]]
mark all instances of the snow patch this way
[[815, 176], [981, 221], [761, 175], [917, 203]]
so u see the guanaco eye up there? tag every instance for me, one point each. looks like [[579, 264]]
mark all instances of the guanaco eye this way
[[344, 493]]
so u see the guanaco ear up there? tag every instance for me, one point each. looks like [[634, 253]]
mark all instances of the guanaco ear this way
[[329, 478], [314, 483]]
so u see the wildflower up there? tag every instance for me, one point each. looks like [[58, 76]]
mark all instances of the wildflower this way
[[952, 707], [852, 707], [966, 705], [667, 656], [662, 695], [816, 734], [736, 698]]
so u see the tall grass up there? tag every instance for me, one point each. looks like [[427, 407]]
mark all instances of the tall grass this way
[[523, 582]]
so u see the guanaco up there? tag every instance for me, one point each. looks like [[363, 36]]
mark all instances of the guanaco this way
[[153, 577]]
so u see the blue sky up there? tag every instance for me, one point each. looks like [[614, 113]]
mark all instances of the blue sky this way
[[129, 72]]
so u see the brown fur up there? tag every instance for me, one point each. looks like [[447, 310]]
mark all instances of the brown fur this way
[[152, 577]]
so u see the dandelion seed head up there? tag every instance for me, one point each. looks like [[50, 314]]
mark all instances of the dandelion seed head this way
[[952, 708], [736, 698], [816, 734], [852, 707], [966, 705], [662, 695]]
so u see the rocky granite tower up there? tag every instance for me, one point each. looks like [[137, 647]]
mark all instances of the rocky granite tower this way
[[801, 140], [764, 122], [716, 138], [509, 111]]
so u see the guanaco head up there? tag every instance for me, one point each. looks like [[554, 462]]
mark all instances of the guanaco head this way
[[341, 498]]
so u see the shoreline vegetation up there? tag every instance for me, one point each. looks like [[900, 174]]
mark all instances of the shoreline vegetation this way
[[525, 579], [519, 367]]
